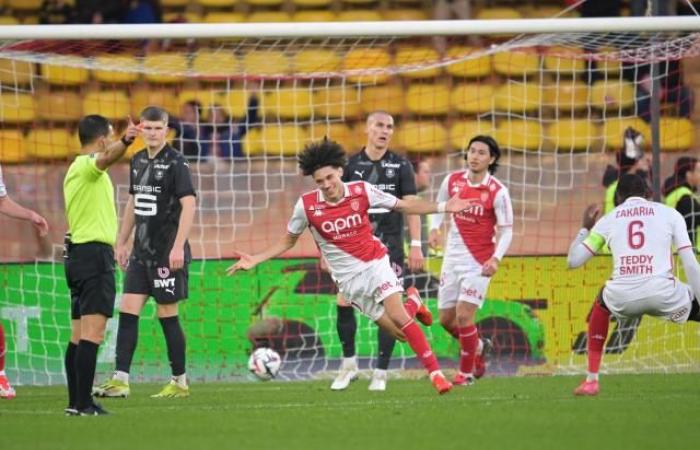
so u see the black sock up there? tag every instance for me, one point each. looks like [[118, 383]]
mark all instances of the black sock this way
[[85, 361], [69, 364], [346, 326], [175, 341], [127, 336], [386, 346]]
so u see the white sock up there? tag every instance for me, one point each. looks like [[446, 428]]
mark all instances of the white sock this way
[[435, 373], [349, 362], [121, 376], [480, 347], [181, 379], [2, 373], [380, 372], [591, 376]]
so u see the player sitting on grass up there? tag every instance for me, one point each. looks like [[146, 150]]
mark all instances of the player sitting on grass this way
[[640, 234]]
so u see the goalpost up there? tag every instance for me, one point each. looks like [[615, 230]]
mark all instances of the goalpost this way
[[557, 94]]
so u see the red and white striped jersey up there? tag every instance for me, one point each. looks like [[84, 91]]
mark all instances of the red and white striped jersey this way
[[342, 230], [471, 238]]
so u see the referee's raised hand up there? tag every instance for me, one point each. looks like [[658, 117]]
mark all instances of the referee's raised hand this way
[[132, 130]]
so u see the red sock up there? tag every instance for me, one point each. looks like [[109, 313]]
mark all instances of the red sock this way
[[411, 307], [469, 341], [416, 339], [598, 324], [2, 348]]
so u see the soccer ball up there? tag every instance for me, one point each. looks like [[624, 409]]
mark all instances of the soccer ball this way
[[264, 363]]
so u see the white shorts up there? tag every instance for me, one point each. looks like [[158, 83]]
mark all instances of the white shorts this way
[[462, 284], [367, 290], [668, 298]]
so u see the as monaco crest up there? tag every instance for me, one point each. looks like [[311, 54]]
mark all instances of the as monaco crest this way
[[355, 205], [358, 190], [484, 196], [163, 272]]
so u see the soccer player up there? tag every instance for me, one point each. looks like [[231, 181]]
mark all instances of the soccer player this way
[[471, 257], [89, 256], [391, 173], [161, 208], [640, 234], [680, 192], [10, 208], [337, 214]]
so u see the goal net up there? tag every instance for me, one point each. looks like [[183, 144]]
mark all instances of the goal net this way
[[558, 104]]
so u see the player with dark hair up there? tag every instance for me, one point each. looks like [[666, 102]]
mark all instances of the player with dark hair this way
[[640, 234], [471, 257], [89, 256], [160, 211], [681, 193], [337, 214]]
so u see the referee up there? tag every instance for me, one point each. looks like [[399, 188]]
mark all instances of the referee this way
[[89, 257]]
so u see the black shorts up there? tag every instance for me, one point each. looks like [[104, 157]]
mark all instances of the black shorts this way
[[89, 271], [394, 242], [164, 286]]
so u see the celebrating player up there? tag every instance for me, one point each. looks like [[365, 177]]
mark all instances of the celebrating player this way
[[393, 174], [471, 257], [337, 216], [640, 234], [161, 208]]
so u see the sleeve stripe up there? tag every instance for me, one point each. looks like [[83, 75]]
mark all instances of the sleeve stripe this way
[[588, 248], [684, 247]]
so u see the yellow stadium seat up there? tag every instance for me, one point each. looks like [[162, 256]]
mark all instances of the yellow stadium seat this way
[[316, 61], [612, 95], [545, 12], [205, 97], [55, 143], [312, 2], [223, 17], [268, 16], [216, 64], [8, 20], [498, 13], [389, 98], [677, 134], [13, 73], [472, 98], [113, 105], [236, 101], [614, 129], [217, 3], [516, 63], [252, 142], [266, 62], [428, 99], [519, 134], [359, 15], [367, 65], [408, 59], [59, 106], [337, 102], [314, 16], [466, 66], [607, 61], [264, 2], [571, 135], [186, 16], [127, 73], [405, 14], [12, 147], [287, 103], [146, 96], [165, 67], [30, 20], [65, 74], [566, 95], [338, 132], [284, 140], [463, 130], [565, 60], [422, 137], [518, 97], [24, 5], [16, 107], [359, 2]]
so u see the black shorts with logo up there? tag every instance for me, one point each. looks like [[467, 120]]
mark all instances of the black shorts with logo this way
[[159, 282], [89, 269]]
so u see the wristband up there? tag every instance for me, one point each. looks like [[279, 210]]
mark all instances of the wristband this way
[[441, 207], [416, 243], [126, 141]]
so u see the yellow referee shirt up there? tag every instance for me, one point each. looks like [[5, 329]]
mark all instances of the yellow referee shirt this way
[[89, 197]]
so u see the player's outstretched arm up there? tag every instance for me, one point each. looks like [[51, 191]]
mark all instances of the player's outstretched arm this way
[[122, 250], [247, 262], [116, 150], [580, 251], [13, 209], [419, 206]]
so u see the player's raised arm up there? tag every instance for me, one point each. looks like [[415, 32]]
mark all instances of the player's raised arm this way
[[247, 262], [586, 243], [114, 151]]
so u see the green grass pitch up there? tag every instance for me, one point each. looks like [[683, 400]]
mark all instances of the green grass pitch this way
[[632, 412]]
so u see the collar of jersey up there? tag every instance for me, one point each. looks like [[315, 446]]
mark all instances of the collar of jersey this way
[[484, 182], [346, 193], [636, 199]]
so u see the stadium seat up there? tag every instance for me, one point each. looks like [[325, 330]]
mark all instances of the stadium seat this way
[[571, 135], [472, 98], [614, 129], [8, 20], [264, 2], [23, 5], [65, 74], [389, 98], [677, 134], [12, 147], [61, 106], [266, 63], [612, 95], [252, 142], [224, 17], [565, 60], [421, 137], [498, 13], [217, 3], [53, 143], [16, 73], [143, 96], [516, 63], [314, 16], [287, 103], [268, 16], [518, 97], [607, 62], [236, 101], [367, 64], [312, 2], [182, 16], [316, 61], [205, 97], [128, 66], [520, 134], [466, 66], [411, 57], [285, 139], [113, 105], [359, 2], [463, 130], [165, 67], [566, 95], [30, 20], [342, 101], [428, 99], [359, 15], [405, 14], [215, 64], [338, 132], [16, 107]]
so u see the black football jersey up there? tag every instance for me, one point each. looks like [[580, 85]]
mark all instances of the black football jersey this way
[[157, 185], [392, 174]]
